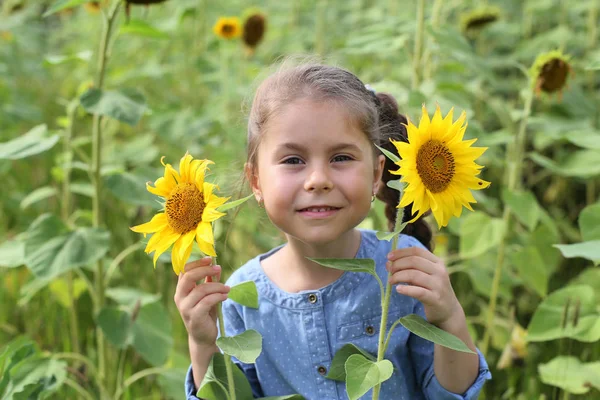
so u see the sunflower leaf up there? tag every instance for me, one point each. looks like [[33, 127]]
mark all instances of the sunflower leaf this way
[[125, 105], [389, 154], [142, 28], [64, 4], [233, 204], [390, 235], [244, 293], [348, 264], [246, 346], [589, 250], [396, 184], [337, 370], [420, 327], [363, 374], [214, 386], [28, 144]]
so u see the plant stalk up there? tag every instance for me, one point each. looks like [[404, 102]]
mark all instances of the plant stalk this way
[[382, 343], [514, 158], [416, 75], [228, 363], [108, 21]]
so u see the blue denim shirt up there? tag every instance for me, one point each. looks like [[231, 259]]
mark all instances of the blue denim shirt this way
[[303, 331]]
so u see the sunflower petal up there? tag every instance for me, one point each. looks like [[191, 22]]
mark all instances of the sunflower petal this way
[[206, 248], [157, 223], [165, 240], [205, 232], [184, 167]]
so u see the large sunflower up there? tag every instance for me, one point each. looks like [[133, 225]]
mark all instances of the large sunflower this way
[[439, 167], [190, 207]]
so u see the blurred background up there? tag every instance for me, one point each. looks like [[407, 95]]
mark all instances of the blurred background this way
[[93, 94]]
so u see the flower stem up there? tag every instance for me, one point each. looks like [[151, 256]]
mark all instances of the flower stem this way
[[382, 343], [416, 75], [228, 363], [108, 21], [514, 159]]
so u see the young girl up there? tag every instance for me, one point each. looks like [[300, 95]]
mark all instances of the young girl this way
[[313, 166]]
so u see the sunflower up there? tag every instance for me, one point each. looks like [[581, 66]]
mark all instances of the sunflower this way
[[190, 207], [550, 72], [475, 20], [439, 167], [228, 27], [254, 30]]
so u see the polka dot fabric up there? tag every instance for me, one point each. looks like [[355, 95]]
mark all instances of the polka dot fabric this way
[[303, 331]]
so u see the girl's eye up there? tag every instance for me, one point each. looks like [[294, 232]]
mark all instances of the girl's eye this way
[[292, 160], [342, 158]]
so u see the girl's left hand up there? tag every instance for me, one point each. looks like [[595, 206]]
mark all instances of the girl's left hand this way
[[428, 281]]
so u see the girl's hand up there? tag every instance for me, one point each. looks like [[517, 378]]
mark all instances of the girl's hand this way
[[428, 281], [197, 303]]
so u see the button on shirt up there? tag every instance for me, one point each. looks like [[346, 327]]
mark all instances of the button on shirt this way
[[303, 331]]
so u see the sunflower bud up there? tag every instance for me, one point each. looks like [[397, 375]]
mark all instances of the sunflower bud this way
[[254, 30], [550, 72], [227, 27], [475, 20]]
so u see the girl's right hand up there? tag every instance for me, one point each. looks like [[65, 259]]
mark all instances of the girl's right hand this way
[[197, 303]]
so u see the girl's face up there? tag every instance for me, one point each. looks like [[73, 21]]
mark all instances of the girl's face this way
[[315, 172]]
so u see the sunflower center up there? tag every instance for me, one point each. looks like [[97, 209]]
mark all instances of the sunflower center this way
[[184, 208], [435, 165], [227, 28]]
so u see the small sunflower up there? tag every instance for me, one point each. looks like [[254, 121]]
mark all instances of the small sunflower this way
[[228, 28], [439, 167], [190, 208], [477, 19], [550, 72], [254, 30]]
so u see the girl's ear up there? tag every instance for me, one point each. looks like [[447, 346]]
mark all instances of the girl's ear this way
[[379, 165], [252, 177]]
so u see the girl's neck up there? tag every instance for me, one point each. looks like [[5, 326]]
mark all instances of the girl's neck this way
[[290, 269]]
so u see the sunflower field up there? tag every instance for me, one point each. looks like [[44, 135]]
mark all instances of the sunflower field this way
[[95, 94]]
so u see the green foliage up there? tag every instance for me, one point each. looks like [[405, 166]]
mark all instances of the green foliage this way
[[420, 327], [244, 293], [363, 374]]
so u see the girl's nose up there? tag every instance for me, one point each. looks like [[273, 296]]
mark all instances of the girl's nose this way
[[318, 179]]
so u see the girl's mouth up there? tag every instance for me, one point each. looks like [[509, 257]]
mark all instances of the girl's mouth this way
[[318, 211]]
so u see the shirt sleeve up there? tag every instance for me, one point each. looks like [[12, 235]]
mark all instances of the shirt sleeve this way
[[421, 351], [234, 325]]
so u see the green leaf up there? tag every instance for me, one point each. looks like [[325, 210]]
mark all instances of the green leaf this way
[[589, 222], [233, 204], [128, 297], [46, 374], [12, 254], [390, 235], [570, 374], [244, 293], [524, 205], [590, 277], [125, 105], [396, 184], [38, 194], [556, 317], [389, 154], [152, 333], [363, 374], [479, 233], [31, 143], [60, 290], [532, 269], [246, 346], [215, 386], [589, 250], [64, 4], [142, 28], [347, 264], [587, 139], [116, 325], [131, 188], [337, 370], [420, 327], [580, 164], [50, 249]]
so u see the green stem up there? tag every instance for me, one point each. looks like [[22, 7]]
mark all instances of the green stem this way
[[136, 377], [435, 22], [514, 159], [81, 391], [119, 258], [416, 75], [107, 26], [382, 343]]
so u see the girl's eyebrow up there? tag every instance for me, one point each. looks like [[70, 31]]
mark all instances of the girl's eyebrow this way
[[337, 147]]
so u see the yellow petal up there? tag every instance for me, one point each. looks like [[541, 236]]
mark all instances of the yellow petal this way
[[186, 243], [184, 167], [166, 239], [425, 122], [157, 223], [211, 215], [205, 232], [179, 251], [206, 248], [161, 188]]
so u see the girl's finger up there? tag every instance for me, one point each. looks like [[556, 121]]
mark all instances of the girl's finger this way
[[412, 262], [201, 291], [425, 296], [203, 262], [412, 251], [207, 303], [187, 282], [413, 277]]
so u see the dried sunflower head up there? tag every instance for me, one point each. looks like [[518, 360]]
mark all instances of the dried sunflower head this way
[[550, 72], [477, 19], [228, 27], [254, 30]]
